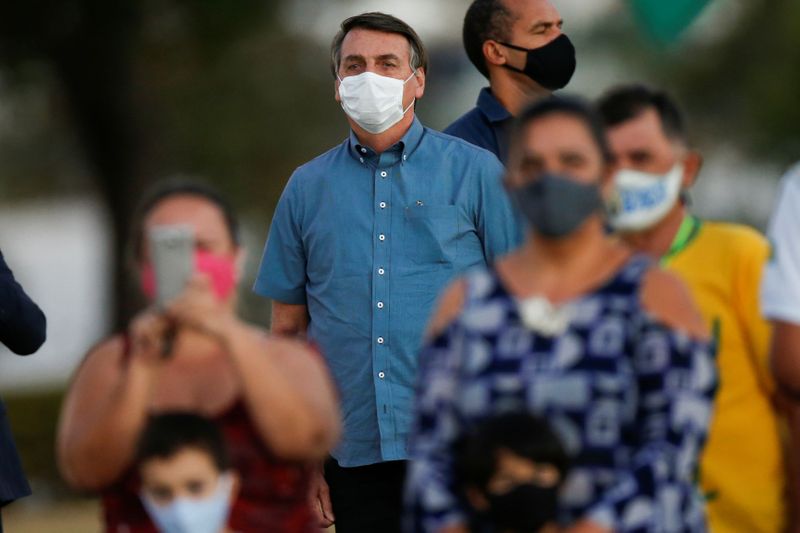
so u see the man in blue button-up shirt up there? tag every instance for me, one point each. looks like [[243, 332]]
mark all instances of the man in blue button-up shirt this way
[[363, 239], [496, 34]]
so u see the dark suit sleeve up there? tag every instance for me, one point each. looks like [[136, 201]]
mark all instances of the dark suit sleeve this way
[[22, 324]]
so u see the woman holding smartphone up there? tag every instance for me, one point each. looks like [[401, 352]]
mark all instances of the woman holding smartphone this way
[[272, 397]]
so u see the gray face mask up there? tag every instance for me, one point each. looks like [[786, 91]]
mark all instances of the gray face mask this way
[[555, 206]]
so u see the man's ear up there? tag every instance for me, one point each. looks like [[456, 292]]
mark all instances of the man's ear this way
[[607, 179], [494, 53], [336, 96], [419, 75], [691, 168]]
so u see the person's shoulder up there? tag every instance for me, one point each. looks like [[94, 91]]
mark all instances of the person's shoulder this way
[[790, 182], [106, 357], [446, 143], [111, 346], [667, 298], [320, 165], [738, 240], [466, 124]]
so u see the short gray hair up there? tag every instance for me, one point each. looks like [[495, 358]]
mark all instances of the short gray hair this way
[[418, 56]]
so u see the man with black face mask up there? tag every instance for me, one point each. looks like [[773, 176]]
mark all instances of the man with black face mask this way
[[519, 47]]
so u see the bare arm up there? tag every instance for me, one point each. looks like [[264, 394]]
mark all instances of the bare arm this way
[[449, 306], [288, 392], [285, 385], [105, 410], [668, 299], [785, 362], [289, 320], [785, 356]]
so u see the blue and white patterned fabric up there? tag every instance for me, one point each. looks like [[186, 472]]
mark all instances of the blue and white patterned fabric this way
[[630, 398]]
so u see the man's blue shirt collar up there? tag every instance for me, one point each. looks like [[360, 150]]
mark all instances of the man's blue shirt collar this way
[[491, 106], [407, 144]]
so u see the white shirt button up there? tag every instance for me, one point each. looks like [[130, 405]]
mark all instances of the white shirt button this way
[[361, 159], [380, 305], [405, 157], [381, 375], [382, 237], [383, 205], [381, 271], [363, 150], [383, 174], [380, 340]]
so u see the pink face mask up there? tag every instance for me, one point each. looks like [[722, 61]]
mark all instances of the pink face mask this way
[[220, 270]]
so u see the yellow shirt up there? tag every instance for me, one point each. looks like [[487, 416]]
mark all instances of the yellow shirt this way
[[742, 468]]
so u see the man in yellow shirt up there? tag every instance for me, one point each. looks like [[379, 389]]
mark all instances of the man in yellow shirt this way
[[743, 467]]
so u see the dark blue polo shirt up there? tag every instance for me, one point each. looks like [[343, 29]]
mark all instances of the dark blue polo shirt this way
[[486, 125]]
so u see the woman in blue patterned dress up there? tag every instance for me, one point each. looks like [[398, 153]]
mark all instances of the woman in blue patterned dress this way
[[607, 347]]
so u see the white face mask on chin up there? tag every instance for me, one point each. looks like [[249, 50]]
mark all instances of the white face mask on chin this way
[[641, 200], [375, 102]]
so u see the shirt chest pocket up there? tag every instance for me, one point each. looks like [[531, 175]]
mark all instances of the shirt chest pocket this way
[[430, 233]]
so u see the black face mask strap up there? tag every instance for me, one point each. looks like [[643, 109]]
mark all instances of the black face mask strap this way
[[514, 47]]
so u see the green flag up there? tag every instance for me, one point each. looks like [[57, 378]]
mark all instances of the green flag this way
[[664, 20]]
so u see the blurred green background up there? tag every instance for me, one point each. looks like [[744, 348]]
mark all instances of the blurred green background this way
[[98, 99]]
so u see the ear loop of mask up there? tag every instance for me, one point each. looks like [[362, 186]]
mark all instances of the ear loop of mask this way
[[413, 100], [515, 47]]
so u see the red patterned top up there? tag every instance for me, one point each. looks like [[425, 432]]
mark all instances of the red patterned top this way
[[273, 495]]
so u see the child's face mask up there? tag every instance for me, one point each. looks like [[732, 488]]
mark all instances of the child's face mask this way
[[193, 515], [522, 495], [526, 508]]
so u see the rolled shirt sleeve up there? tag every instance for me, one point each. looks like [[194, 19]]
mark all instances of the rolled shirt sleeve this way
[[499, 225], [282, 274], [780, 288]]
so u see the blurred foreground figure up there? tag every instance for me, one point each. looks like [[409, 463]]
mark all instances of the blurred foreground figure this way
[[271, 397], [742, 471], [519, 47], [602, 344], [188, 483], [23, 330], [511, 469], [780, 299], [363, 239]]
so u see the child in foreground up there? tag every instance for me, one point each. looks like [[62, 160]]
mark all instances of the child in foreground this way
[[187, 484], [511, 469]]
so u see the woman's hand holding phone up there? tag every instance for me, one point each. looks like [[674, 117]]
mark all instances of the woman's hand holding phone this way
[[198, 308], [146, 333]]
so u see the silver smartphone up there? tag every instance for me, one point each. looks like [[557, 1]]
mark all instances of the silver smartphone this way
[[172, 254]]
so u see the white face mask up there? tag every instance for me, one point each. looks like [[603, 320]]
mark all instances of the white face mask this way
[[375, 102], [191, 515], [641, 200]]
